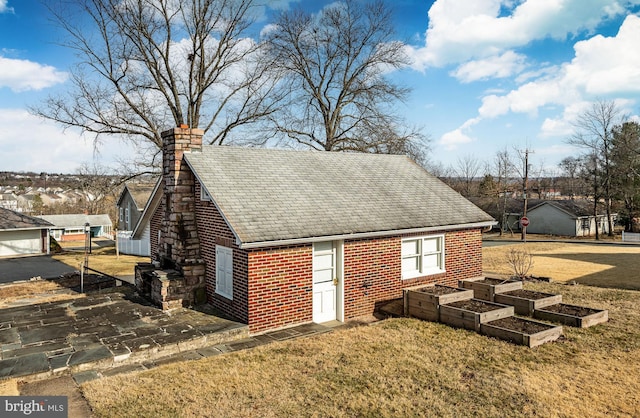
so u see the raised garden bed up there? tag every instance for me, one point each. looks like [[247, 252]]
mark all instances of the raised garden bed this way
[[521, 331], [469, 314], [486, 288], [572, 315], [526, 301], [424, 301]]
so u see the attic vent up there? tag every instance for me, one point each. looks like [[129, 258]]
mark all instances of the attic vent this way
[[204, 195]]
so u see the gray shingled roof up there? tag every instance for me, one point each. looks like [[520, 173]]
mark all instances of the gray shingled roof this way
[[77, 220], [10, 219], [272, 195]]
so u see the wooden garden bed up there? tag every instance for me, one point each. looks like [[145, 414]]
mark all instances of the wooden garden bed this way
[[486, 288], [469, 314], [526, 301], [521, 331], [571, 315], [424, 301]]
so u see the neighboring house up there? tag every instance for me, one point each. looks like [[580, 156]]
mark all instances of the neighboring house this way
[[130, 206], [276, 238], [21, 234], [9, 201], [71, 227], [572, 218]]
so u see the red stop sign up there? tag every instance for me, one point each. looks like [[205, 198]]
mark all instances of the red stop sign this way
[[524, 221]]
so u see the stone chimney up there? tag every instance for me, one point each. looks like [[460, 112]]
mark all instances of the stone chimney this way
[[179, 245]]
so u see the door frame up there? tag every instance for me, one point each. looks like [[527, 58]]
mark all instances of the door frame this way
[[338, 246]]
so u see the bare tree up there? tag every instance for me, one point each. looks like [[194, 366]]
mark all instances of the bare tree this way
[[570, 167], [147, 64], [335, 65], [594, 133], [520, 261], [503, 168], [467, 169], [625, 159]]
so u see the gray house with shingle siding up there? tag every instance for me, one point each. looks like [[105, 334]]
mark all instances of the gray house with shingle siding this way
[[21, 234], [70, 227], [289, 237]]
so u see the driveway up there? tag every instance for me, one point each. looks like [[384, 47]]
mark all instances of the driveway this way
[[24, 268]]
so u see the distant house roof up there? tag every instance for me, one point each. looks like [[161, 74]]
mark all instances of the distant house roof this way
[[140, 193], [10, 219], [576, 208], [269, 195], [77, 220]]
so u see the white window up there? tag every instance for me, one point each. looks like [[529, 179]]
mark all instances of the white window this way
[[422, 256], [224, 271], [126, 217], [121, 214]]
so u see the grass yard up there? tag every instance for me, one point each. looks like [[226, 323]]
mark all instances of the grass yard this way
[[613, 266], [408, 367], [103, 259]]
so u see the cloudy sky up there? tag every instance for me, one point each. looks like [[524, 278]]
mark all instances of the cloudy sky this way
[[486, 74]]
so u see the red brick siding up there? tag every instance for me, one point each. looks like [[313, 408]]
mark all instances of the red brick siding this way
[[280, 284], [212, 231], [372, 269]]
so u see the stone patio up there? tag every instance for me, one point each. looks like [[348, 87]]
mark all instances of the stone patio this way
[[101, 332]]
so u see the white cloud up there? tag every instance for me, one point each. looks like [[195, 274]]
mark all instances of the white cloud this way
[[22, 75], [4, 7], [453, 139], [602, 66], [461, 30], [29, 143], [499, 66], [605, 65]]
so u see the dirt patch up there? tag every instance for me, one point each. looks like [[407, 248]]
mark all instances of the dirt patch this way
[[475, 305], [518, 324], [493, 281], [528, 294], [579, 311], [438, 290]]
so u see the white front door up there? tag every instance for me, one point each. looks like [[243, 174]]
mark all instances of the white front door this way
[[325, 281]]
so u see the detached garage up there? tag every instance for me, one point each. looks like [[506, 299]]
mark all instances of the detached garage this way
[[21, 234]]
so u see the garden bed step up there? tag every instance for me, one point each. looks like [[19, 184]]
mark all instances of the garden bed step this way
[[469, 314], [572, 315], [526, 301], [486, 288], [521, 331]]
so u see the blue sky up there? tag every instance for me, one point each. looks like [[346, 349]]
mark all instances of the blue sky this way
[[486, 74]]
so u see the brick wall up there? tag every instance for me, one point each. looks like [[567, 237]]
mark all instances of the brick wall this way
[[280, 278], [213, 230], [372, 270], [280, 284]]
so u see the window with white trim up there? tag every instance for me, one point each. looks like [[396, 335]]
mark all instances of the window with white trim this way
[[422, 256], [121, 214], [224, 271]]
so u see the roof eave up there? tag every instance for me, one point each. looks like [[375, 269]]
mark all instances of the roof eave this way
[[374, 234]]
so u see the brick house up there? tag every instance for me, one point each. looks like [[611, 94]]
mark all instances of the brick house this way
[[276, 238]]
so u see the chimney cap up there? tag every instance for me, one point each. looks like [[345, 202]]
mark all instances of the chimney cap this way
[[184, 126]]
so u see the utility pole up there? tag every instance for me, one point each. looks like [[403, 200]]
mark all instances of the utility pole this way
[[525, 184]]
